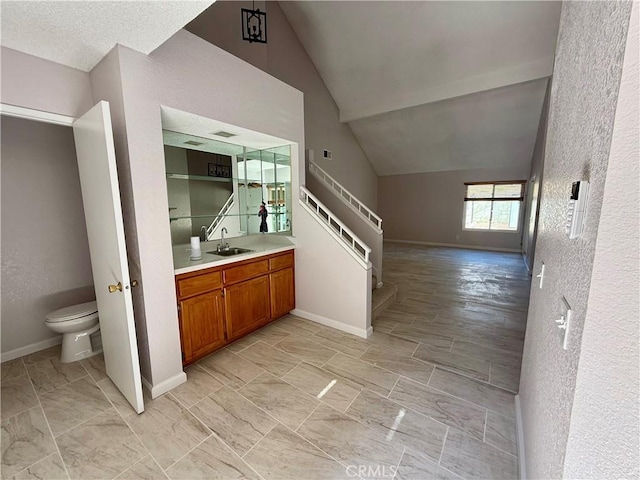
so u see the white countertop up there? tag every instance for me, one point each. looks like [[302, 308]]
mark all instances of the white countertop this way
[[261, 244]]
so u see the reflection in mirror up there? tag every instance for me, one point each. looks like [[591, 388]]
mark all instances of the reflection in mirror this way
[[213, 185]]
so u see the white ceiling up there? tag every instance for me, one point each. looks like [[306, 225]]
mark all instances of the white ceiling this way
[[405, 75], [80, 33]]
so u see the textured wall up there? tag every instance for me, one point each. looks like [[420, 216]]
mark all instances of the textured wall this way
[[586, 77], [45, 251], [427, 207], [285, 58], [603, 440]]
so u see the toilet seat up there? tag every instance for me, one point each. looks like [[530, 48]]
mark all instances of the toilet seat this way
[[74, 312]]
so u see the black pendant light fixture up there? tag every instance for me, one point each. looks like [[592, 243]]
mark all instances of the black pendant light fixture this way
[[254, 25]]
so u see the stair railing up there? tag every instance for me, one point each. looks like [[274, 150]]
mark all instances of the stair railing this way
[[221, 215]]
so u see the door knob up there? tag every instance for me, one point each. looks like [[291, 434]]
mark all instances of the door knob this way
[[115, 288]]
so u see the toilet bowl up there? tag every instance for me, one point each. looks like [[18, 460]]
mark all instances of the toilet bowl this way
[[77, 324]]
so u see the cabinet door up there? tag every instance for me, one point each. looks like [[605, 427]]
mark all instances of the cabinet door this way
[[202, 321], [246, 306], [282, 292]]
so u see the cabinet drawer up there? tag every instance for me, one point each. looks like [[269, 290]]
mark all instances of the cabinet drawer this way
[[281, 261], [244, 272], [199, 284]]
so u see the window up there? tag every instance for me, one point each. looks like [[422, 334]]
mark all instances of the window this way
[[493, 206]]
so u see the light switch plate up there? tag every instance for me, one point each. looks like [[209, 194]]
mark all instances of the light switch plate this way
[[564, 323], [541, 275]]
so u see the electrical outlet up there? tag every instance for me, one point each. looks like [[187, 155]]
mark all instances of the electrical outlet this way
[[564, 323], [541, 275]]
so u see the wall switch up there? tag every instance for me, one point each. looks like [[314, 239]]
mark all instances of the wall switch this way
[[564, 323], [541, 275]]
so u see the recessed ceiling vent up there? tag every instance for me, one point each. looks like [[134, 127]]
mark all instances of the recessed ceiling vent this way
[[224, 134], [193, 142]]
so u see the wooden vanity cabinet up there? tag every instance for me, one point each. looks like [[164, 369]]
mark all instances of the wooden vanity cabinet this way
[[221, 304]]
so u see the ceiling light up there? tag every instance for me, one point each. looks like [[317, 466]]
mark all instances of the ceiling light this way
[[192, 142], [224, 134], [254, 25]]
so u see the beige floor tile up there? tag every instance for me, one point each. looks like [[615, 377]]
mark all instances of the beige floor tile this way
[[444, 408], [270, 358], [325, 386], [233, 418], [424, 336], [460, 363], [230, 369], [343, 342], [298, 326], [407, 310], [501, 432], [12, 369], [473, 391], [395, 344], [285, 403], [505, 377], [46, 354], [167, 429], [362, 373], [25, 440], [384, 324], [486, 354], [199, 384], [51, 468], [271, 334], [242, 343], [100, 448], [307, 350], [145, 469], [303, 460], [72, 404], [95, 366], [123, 407], [395, 316], [415, 467], [17, 396], [47, 375], [348, 441], [399, 424], [402, 365], [473, 459], [212, 460]]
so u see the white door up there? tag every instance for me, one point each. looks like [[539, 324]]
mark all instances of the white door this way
[[101, 197]]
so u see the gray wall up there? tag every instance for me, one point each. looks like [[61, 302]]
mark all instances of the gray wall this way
[[530, 232], [285, 58], [45, 251], [428, 207], [584, 92], [603, 440]]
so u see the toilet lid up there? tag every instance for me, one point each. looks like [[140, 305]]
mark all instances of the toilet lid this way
[[74, 311]]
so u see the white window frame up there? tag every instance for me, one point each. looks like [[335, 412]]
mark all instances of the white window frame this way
[[523, 184]]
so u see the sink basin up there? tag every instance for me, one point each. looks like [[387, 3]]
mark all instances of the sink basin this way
[[230, 252]]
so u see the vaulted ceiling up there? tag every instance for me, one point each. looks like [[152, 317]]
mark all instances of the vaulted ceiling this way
[[432, 86]]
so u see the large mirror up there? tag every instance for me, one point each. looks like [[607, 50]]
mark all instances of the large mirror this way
[[213, 185]]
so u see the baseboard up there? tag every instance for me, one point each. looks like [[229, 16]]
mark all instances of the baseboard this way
[[32, 348], [360, 332], [526, 264], [520, 440], [163, 387], [454, 245]]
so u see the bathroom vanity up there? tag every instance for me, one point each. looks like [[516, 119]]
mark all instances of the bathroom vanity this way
[[222, 301]]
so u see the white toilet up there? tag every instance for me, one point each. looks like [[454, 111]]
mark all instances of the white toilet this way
[[77, 324]]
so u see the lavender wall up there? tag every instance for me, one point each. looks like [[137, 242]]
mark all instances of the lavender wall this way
[[583, 99], [428, 207]]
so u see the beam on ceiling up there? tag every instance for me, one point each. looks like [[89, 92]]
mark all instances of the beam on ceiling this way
[[524, 72]]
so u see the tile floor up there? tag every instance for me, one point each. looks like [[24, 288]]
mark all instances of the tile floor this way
[[429, 395]]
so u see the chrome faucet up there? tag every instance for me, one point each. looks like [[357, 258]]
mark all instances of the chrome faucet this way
[[223, 246], [203, 233]]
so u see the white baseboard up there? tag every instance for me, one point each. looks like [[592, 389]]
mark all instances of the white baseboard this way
[[32, 348], [520, 440], [360, 332], [454, 245], [526, 264], [163, 387]]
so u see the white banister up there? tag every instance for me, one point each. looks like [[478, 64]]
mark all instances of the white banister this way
[[221, 215], [347, 197], [338, 228]]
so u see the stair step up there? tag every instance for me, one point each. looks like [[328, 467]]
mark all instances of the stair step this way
[[382, 297]]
